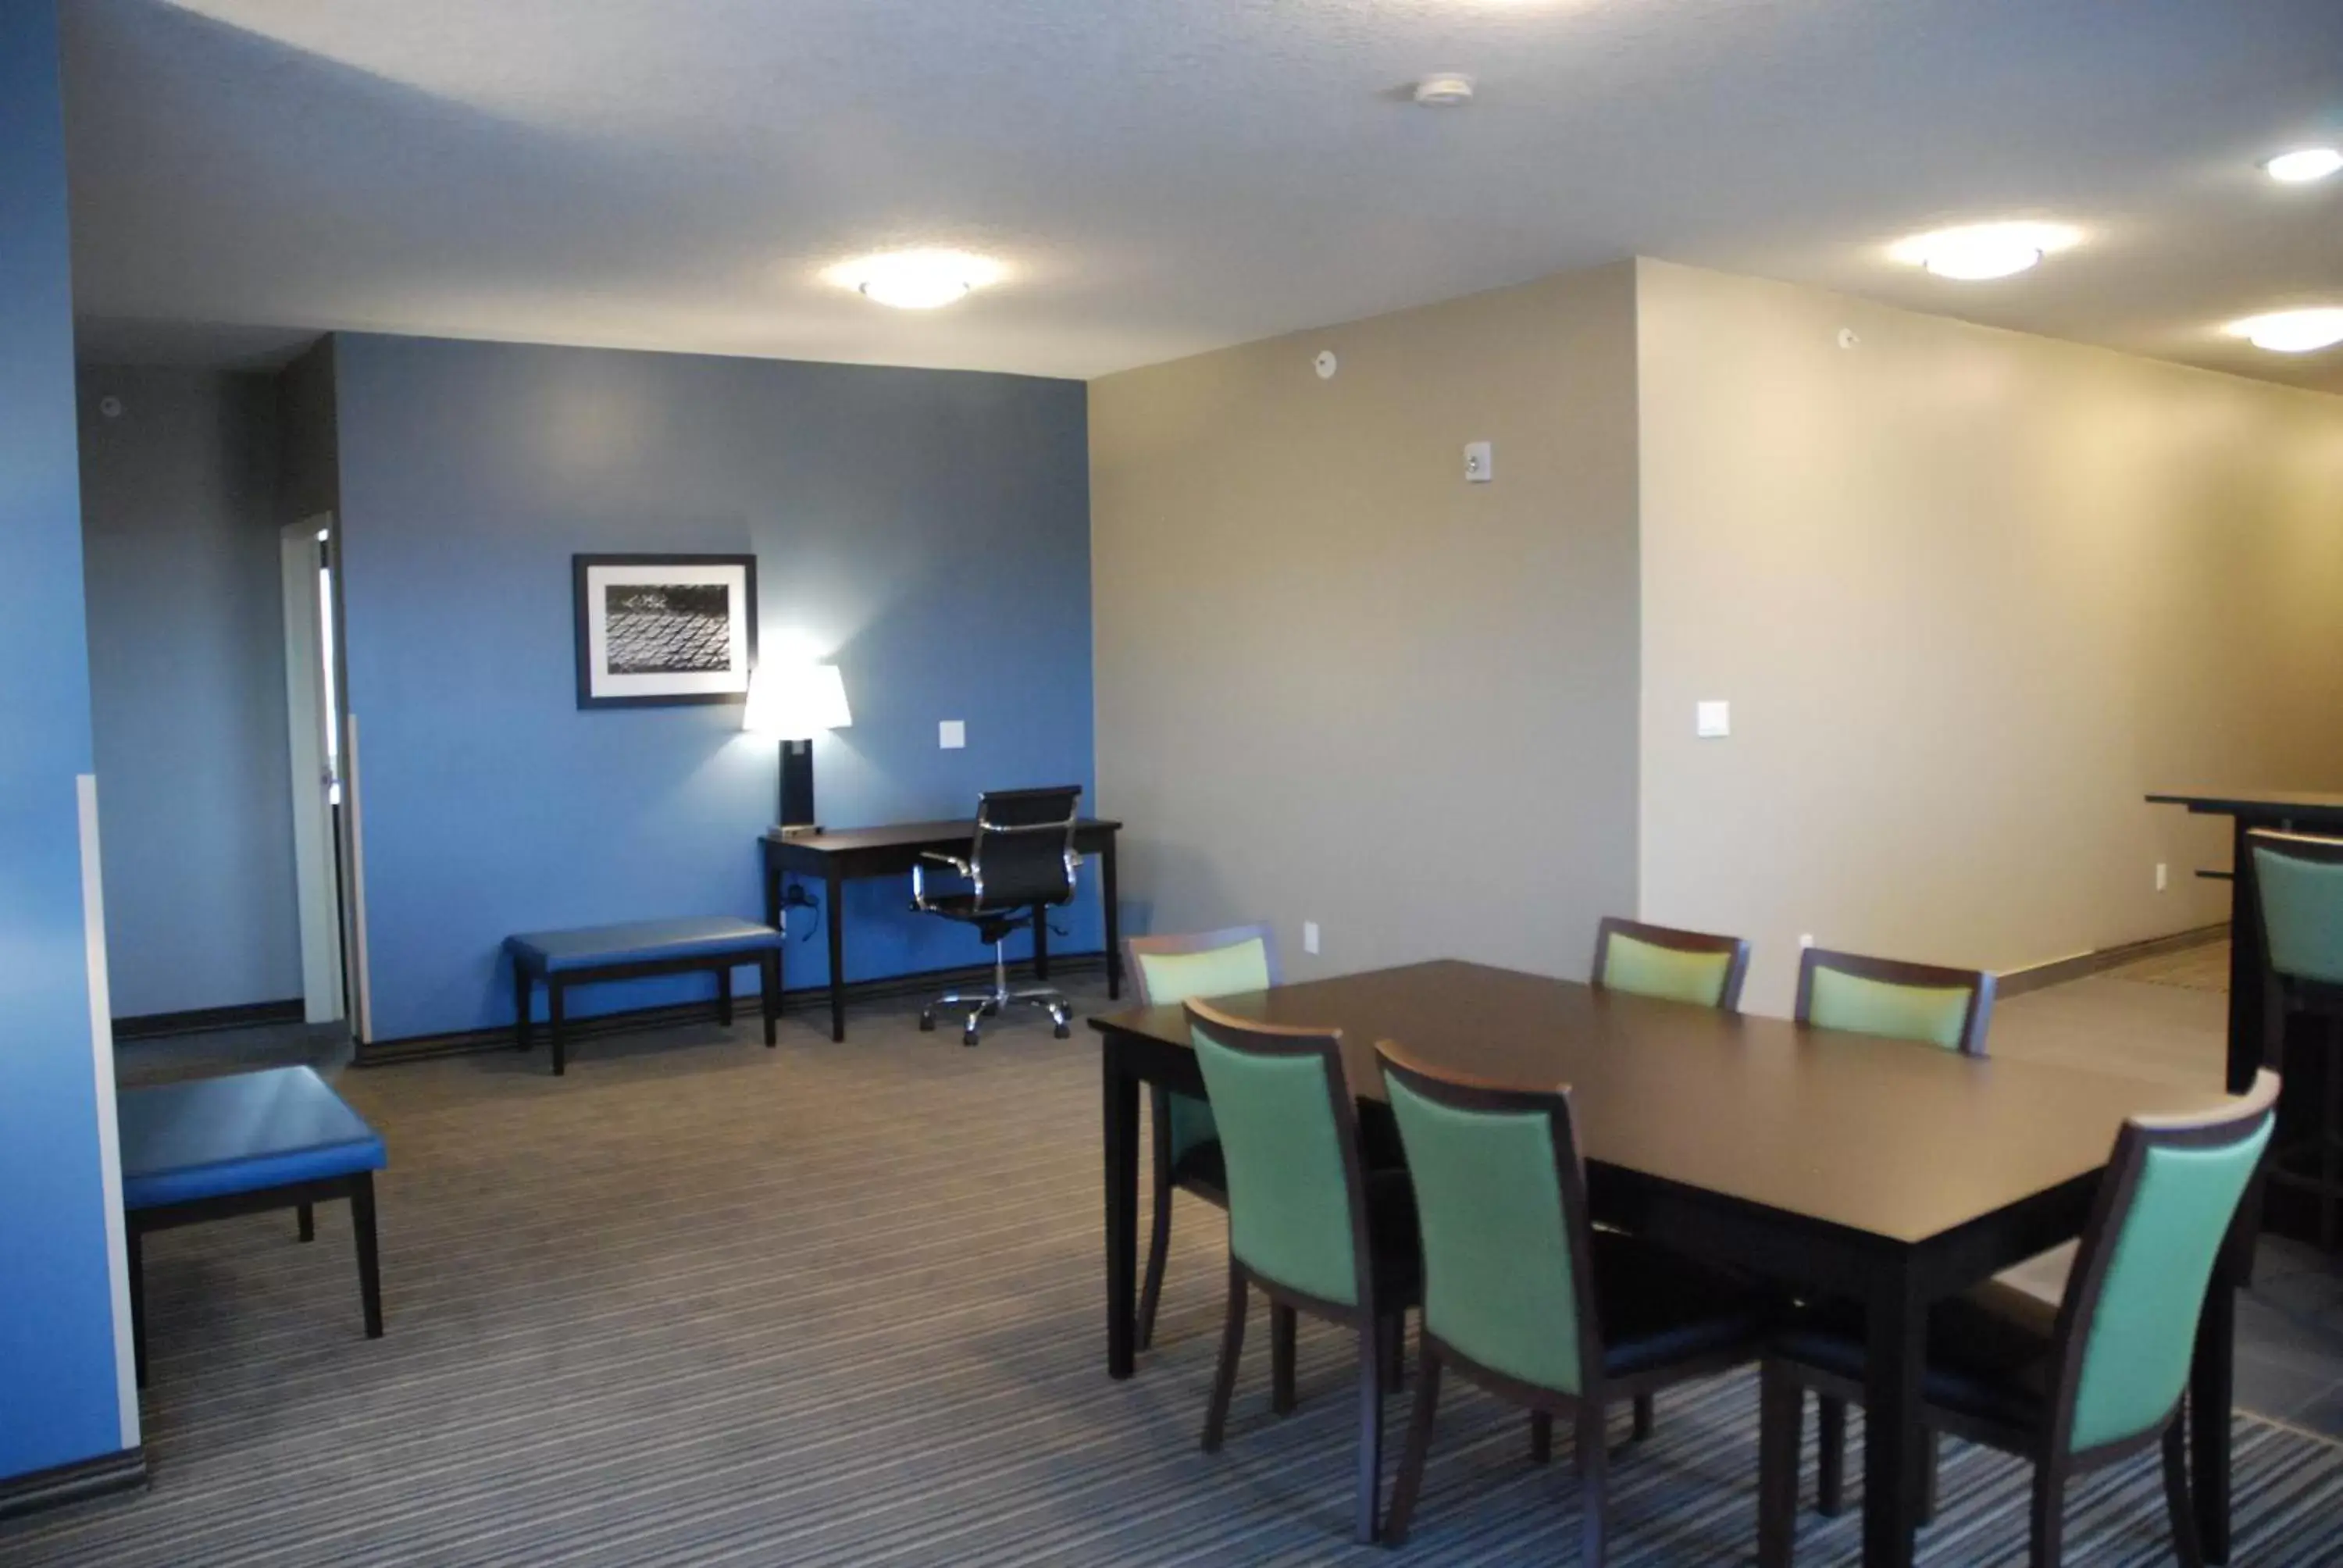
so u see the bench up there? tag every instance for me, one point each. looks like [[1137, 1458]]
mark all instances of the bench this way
[[717, 943], [213, 1148]]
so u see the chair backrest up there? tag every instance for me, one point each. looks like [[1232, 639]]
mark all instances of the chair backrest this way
[[1500, 1208], [2300, 880], [1025, 848], [1175, 969], [1672, 965], [2127, 1327], [1924, 1002], [1290, 1144]]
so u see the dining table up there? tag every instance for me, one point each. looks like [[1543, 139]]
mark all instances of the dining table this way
[[1833, 1165]]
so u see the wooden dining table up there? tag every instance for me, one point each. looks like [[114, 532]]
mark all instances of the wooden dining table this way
[[1870, 1169]]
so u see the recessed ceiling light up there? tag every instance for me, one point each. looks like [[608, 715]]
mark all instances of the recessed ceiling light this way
[[2292, 331], [1984, 250], [1444, 90], [2303, 164], [916, 279]]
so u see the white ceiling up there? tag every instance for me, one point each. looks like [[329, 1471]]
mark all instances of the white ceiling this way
[[1162, 176]]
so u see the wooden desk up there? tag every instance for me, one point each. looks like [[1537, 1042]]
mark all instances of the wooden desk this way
[[849, 854], [1885, 1172]]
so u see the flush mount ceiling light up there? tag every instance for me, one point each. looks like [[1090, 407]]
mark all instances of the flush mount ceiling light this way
[[2292, 331], [1444, 90], [916, 279], [2303, 164], [1984, 250]]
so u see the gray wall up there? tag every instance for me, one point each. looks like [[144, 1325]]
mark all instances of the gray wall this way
[[1335, 682], [188, 688]]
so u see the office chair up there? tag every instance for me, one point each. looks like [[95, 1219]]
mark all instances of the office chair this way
[[1021, 864]]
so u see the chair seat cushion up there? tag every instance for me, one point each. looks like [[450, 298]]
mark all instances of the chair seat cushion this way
[[245, 1132], [1988, 1351], [1658, 1306], [639, 941]]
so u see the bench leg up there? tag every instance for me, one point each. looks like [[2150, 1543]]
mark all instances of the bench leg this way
[[553, 1024], [769, 973], [369, 1260], [138, 1249], [520, 1007], [308, 1222], [724, 994]]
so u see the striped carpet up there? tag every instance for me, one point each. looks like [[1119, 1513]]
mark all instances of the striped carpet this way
[[700, 1303]]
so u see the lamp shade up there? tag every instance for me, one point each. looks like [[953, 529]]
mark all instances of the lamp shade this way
[[796, 702]]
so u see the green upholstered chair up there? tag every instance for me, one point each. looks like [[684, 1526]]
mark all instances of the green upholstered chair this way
[[2299, 880], [1309, 1223], [1672, 965], [1923, 1002], [2096, 1379], [1522, 1296], [1167, 971]]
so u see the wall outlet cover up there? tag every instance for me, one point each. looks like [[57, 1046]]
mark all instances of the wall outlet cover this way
[[1480, 462], [1310, 936], [1712, 720], [951, 734]]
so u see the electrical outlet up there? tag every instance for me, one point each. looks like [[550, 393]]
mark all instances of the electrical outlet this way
[[1480, 462], [1806, 938], [951, 734], [1310, 936], [1712, 719], [2163, 876]]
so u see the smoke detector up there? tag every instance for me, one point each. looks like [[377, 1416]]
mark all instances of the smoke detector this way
[[1444, 90]]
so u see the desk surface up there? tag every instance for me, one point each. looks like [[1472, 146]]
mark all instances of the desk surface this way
[[1900, 1140], [2252, 802], [897, 835]]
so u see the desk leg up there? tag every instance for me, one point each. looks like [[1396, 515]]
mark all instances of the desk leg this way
[[834, 912], [2248, 1037], [1041, 942], [1894, 1353], [1114, 912], [772, 895], [1121, 1120]]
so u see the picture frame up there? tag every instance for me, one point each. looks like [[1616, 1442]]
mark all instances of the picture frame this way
[[660, 631]]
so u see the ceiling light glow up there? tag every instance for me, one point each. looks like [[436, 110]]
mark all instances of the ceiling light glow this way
[[1984, 250], [2292, 331], [2303, 164], [916, 279]]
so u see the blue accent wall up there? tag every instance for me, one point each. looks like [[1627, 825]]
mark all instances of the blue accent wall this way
[[927, 530], [57, 1395]]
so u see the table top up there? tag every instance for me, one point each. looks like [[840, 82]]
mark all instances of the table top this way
[[1900, 1140], [2253, 802], [895, 835], [242, 1119]]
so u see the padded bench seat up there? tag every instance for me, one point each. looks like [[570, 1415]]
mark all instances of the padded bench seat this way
[[719, 943], [211, 1147]]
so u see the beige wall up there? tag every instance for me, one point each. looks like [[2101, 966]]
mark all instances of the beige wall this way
[[1335, 682], [1970, 593]]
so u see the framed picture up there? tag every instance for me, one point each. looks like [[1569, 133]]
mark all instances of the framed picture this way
[[659, 629]]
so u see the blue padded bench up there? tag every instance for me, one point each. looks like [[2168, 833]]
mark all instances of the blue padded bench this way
[[563, 959], [216, 1147]]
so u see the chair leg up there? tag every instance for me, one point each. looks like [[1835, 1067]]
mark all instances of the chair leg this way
[[1830, 1489], [769, 996], [2331, 1173], [724, 996], [2187, 1550], [1282, 1322], [1410, 1484], [1593, 1474], [1370, 1429], [1644, 1416], [557, 1025], [1395, 1349], [1781, 1416], [1225, 1376], [308, 1223], [135, 1245], [369, 1258], [2049, 1521], [1159, 1238], [1541, 1437]]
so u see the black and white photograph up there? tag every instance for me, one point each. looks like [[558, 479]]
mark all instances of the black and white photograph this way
[[657, 629]]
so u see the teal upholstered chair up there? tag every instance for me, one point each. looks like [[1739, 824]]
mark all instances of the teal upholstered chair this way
[[2094, 1380], [1522, 1296], [1672, 965], [1167, 971], [2300, 883], [1309, 1223]]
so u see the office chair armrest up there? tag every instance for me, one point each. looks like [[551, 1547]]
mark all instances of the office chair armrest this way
[[919, 879]]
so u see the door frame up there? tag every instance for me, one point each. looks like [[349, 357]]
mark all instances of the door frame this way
[[317, 884]]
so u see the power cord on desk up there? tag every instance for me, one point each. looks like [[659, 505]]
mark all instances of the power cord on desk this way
[[795, 897]]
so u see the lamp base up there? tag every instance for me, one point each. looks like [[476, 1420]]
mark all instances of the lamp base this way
[[797, 787], [797, 830]]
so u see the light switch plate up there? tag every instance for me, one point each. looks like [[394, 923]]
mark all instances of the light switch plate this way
[[1712, 720], [1310, 936], [1480, 462], [951, 734]]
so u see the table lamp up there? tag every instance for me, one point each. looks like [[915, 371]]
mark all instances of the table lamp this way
[[794, 702]]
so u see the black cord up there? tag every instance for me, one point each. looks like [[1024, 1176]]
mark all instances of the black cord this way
[[795, 897]]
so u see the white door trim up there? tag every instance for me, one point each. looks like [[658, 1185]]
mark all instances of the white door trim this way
[[313, 829], [109, 1131]]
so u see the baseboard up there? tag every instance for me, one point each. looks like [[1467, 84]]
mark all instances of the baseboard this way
[[120, 1472], [2059, 971], [208, 1020], [796, 1001]]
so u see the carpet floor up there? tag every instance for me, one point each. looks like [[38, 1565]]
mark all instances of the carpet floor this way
[[701, 1303]]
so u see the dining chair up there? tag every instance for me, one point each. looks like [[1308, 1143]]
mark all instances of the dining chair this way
[[1927, 1003], [1523, 1297], [1176, 969], [1670, 964], [2072, 1389], [2300, 883], [1309, 1223]]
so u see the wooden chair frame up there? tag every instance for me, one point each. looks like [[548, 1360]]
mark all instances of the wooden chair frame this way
[[1159, 1240], [1734, 949], [1587, 1410], [2284, 995], [2046, 1445], [1380, 1323], [1979, 983]]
